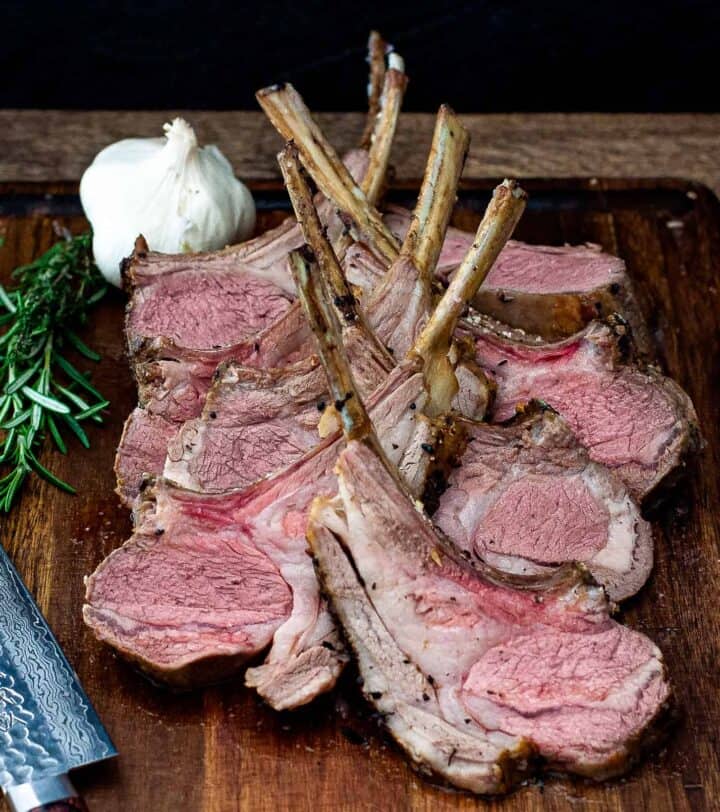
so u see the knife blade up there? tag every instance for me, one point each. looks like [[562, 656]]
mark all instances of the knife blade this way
[[47, 724]]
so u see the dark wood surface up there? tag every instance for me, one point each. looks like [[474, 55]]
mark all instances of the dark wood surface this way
[[50, 145], [221, 750]]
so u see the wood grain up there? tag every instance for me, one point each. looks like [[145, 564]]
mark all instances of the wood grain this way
[[221, 750], [48, 145]]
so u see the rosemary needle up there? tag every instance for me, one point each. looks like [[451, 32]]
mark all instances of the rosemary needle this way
[[41, 392]]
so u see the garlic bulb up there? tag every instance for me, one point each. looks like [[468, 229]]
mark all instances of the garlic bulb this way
[[179, 196]]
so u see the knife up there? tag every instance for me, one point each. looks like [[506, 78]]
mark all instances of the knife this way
[[47, 724]]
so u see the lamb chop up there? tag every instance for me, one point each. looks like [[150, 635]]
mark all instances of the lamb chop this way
[[474, 672], [629, 417], [192, 311], [527, 498], [160, 600], [279, 409]]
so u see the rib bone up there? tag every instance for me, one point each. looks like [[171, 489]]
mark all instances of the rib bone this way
[[350, 316], [384, 133], [401, 304], [433, 344], [448, 151], [377, 49], [324, 324], [375, 177], [290, 116]]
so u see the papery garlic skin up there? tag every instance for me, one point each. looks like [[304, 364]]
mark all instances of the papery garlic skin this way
[[179, 196]]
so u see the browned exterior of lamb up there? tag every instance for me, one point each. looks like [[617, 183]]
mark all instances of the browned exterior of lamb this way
[[555, 316], [527, 290]]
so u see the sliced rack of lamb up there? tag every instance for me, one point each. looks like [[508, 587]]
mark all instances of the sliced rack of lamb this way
[[473, 672], [527, 497], [184, 597]]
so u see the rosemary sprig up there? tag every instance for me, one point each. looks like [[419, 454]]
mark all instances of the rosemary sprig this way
[[41, 392]]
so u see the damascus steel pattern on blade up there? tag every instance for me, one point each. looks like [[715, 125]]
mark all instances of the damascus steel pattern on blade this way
[[47, 724]]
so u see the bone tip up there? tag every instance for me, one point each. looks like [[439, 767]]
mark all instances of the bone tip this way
[[375, 38], [278, 87], [396, 62], [513, 187], [451, 119]]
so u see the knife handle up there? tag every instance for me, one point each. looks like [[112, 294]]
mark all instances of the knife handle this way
[[53, 794]]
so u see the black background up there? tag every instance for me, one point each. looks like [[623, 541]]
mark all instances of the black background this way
[[513, 56]]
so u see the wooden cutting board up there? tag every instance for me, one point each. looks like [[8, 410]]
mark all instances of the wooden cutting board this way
[[220, 749]]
